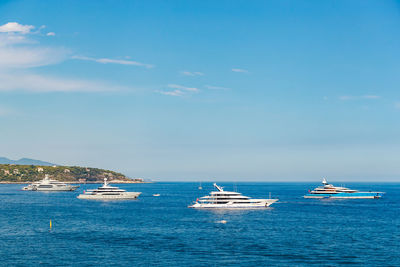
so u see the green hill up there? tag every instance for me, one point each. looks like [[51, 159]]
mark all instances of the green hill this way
[[25, 161], [30, 173]]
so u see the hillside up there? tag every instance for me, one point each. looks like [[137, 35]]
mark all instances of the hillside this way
[[29, 173], [25, 161]]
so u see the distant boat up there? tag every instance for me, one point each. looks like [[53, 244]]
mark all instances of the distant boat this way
[[156, 195], [329, 191], [107, 192], [49, 185], [200, 187], [229, 200]]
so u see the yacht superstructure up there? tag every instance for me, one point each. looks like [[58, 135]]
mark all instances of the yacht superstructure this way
[[107, 192], [330, 191], [48, 184], [226, 200]]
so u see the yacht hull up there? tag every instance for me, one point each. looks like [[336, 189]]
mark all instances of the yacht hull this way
[[66, 188], [261, 204], [358, 195], [122, 196]]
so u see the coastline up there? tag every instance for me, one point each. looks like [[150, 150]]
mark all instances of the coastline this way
[[72, 182]]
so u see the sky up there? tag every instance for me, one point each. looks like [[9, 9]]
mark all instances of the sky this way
[[204, 90]]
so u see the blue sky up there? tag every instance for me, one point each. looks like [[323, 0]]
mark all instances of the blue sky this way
[[204, 90]]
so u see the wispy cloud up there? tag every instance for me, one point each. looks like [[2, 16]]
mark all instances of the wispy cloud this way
[[180, 90], [348, 97], [176, 92], [240, 70], [15, 27], [216, 87], [114, 61], [51, 34], [20, 54], [12, 39], [192, 73], [181, 87], [41, 83], [12, 57], [18, 50]]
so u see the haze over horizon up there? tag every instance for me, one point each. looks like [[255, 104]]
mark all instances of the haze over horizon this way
[[189, 91]]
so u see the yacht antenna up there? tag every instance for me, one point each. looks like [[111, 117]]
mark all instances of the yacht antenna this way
[[220, 188]]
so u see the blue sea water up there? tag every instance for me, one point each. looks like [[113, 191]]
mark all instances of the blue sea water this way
[[161, 231]]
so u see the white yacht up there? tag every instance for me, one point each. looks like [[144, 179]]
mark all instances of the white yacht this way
[[330, 191], [50, 185], [107, 192], [228, 200]]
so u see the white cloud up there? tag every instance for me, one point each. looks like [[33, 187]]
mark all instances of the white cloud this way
[[30, 56], [19, 53], [216, 87], [39, 83], [240, 70], [180, 90], [114, 61], [181, 87], [12, 39], [190, 73], [51, 34], [176, 92], [17, 50], [14, 27]]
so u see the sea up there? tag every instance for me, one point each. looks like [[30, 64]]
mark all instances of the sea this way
[[163, 231]]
